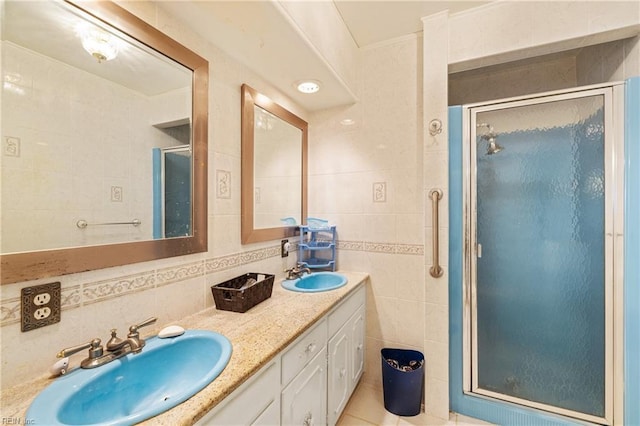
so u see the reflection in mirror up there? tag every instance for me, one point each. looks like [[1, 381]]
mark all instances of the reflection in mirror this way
[[277, 150], [101, 129], [274, 149]]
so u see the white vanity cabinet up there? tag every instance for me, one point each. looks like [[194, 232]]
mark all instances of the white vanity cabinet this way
[[310, 381], [345, 354]]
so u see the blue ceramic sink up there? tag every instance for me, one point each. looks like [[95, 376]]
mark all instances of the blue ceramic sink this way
[[134, 387], [316, 282]]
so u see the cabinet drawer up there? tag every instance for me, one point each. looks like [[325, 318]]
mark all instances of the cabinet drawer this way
[[303, 351], [341, 314], [252, 403]]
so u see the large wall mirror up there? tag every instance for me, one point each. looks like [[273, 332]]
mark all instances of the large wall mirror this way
[[274, 169], [104, 141]]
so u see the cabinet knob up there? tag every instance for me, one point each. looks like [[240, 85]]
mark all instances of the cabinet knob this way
[[343, 373], [308, 419], [310, 348], [359, 347]]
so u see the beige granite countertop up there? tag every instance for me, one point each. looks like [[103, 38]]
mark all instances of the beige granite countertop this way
[[256, 335]]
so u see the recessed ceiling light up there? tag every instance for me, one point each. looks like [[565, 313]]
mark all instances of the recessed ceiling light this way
[[308, 86], [348, 122]]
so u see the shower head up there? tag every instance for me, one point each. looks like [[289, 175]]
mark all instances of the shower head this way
[[492, 146]]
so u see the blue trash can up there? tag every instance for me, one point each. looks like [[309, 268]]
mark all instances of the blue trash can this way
[[402, 381]]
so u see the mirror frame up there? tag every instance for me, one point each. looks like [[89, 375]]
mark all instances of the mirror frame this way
[[24, 266], [250, 99]]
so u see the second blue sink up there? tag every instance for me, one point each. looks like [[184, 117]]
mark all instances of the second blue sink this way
[[316, 282]]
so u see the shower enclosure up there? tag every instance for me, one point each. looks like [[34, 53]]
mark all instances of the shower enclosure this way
[[542, 197], [172, 191]]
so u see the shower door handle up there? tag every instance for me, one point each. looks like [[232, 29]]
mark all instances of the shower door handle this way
[[435, 270]]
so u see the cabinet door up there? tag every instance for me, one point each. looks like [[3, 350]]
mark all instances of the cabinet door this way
[[339, 377], [357, 328], [269, 417], [304, 401]]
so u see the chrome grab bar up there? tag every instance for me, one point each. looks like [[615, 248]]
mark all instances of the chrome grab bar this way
[[436, 271], [83, 223]]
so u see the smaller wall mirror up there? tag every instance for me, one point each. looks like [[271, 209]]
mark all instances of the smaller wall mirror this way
[[274, 169]]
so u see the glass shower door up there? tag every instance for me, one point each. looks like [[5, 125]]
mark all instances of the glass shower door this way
[[541, 285]]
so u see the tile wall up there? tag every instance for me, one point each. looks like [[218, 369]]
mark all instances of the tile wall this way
[[367, 178]]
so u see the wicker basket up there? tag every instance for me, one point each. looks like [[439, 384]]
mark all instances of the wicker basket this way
[[242, 293]]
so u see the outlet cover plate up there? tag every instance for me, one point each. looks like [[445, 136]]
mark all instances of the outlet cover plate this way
[[28, 306]]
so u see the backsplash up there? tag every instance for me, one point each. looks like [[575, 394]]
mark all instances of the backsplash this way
[[75, 296]]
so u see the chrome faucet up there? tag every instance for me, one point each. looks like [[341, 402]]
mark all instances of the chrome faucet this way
[[296, 271], [133, 339], [116, 347]]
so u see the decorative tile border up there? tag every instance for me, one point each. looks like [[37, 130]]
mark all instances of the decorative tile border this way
[[174, 274], [390, 248], [10, 311], [350, 245], [380, 247], [76, 296], [415, 249], [109, 289], [222, 263], [70, 297]]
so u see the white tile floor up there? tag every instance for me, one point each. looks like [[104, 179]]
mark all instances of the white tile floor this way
[[366, 407]]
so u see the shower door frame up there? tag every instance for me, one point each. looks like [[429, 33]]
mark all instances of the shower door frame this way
[[613, 103], [163, 181]]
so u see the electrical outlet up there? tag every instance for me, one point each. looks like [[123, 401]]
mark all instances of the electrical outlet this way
[[42, 313], [41, 299], [40, 305]]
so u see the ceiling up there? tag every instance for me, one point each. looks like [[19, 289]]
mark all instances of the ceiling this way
[[374, 21], [261, 35], [50, 29], [258, 33]]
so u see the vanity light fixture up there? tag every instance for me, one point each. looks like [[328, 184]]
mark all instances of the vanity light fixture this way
[[308, 86], [98, 43]]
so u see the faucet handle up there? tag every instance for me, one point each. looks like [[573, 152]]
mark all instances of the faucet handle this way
[[95, 349], [114, 339], [133, 330]]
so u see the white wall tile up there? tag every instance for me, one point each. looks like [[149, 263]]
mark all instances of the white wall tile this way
[[436, 34], [436, 360], [437, 398], [437, 322], [410, 324]]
